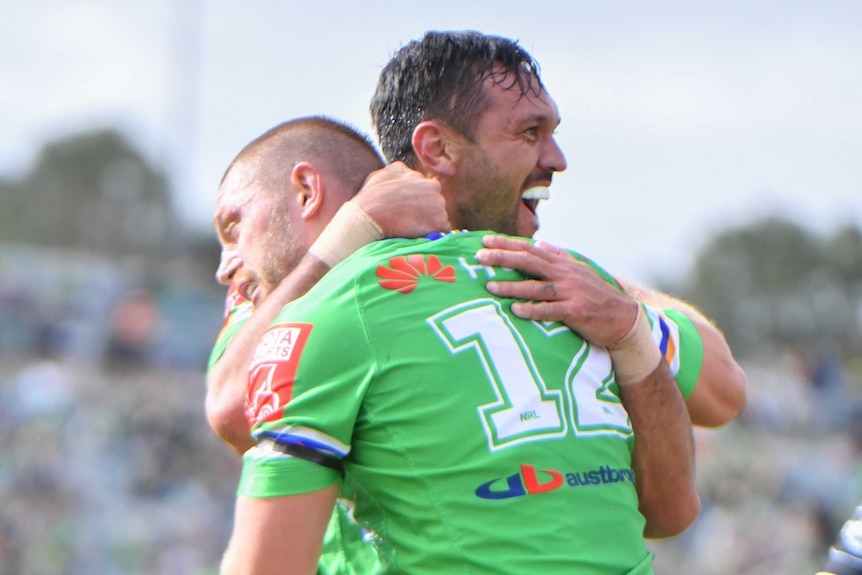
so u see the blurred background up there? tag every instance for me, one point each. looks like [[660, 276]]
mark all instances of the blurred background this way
[[715, 151]]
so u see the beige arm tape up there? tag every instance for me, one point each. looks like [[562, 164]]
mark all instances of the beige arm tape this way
[[350, 229], [636, 355]]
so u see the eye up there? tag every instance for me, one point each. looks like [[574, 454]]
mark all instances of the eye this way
[[227, 224], [532, 133], [228, 231]]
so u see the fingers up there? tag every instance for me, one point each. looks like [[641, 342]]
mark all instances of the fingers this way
[[550, 247], [390, 175], [541, 249], [529, 262], [526, 289], [403, 202], [422, 213], [398, 167], [541, 311], [503, 243], [443, 225]]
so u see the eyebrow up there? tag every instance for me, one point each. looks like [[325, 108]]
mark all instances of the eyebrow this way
[[539, 118], [218, 217], [223, 215]]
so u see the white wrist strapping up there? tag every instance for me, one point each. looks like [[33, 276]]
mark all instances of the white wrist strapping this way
[[350, 229], [636, 355]]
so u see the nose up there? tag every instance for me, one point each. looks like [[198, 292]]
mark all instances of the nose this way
[[552, 157], [229, 264]]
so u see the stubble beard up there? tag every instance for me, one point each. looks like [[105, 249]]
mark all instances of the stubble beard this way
[[485, 197], [283, 257]]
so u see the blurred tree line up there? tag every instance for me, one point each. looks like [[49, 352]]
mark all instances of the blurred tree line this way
[[94, 192], [773, 285], [96, 262]]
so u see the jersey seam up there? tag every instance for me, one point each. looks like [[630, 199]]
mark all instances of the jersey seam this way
[[451, 529]]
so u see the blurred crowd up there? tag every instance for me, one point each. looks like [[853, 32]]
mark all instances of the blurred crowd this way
[[108, 466], [109, 471], [777, 483]]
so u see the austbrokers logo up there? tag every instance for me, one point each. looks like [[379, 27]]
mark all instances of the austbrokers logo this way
[[532, 481]]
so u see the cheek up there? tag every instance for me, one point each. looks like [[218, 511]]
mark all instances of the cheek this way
[[261, 233], [281, 247], [254, 247], [526, 163], [515, 168]]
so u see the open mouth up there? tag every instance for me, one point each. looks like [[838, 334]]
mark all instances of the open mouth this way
[[250, 290], [531, 196]]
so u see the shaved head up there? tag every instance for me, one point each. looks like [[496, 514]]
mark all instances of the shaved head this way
[[334, 147], [261, 216]]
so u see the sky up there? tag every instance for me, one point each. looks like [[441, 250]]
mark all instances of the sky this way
[[680, 118]]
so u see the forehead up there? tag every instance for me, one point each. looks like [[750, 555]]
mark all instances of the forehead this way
[[237, 188], [509, 106]]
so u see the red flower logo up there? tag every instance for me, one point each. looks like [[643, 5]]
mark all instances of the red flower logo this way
[[403, 272]]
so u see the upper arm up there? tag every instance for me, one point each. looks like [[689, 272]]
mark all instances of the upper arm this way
[[719, 395], [279, 535], [719, 392]]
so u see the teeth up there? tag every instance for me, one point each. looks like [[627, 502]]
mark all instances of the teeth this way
[[537, 193]]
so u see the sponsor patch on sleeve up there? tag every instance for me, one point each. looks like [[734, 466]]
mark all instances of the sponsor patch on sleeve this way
[[273, 371]]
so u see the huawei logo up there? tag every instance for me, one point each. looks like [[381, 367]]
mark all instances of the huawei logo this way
[[403, 273]]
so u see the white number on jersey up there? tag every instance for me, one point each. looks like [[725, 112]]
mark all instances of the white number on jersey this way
[[525, 409]]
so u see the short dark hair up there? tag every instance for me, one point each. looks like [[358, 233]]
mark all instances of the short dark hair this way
[[338, 148], [441, 77]]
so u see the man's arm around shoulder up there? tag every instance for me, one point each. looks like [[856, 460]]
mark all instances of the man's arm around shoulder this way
[[227, 381]]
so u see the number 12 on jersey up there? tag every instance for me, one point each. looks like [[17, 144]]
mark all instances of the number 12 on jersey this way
[[525, 409]]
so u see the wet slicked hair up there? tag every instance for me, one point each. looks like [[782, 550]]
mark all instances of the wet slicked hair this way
[[336, 148], [441, 77]]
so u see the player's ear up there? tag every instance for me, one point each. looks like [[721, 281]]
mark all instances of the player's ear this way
[[435, 147], [307, 187]]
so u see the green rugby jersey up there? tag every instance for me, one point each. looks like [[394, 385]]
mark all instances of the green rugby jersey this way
[[472, 441], [344, 539]]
